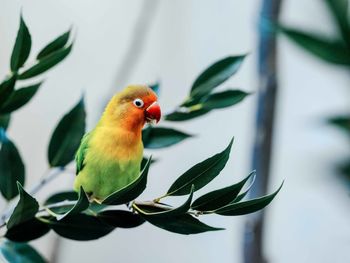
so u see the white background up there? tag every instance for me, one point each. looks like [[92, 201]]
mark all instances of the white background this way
[[308, 221]]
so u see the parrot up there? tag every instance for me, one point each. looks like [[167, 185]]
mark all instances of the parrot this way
[[109, 156]]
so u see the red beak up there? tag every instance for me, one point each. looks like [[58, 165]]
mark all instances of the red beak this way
[[153, 112]]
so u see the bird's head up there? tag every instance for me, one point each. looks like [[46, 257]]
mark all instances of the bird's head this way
[[133, 107]]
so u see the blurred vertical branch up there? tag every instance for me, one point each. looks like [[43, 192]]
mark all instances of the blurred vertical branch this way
[[267, 70]]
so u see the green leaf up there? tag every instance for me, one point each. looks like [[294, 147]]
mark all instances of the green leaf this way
[[60, 197], [19, 97], [19, 253], [67, 135], [26, 208], [245, 192], [131, 191], [156, 88], [27, 231], [21, 50], [46, 63], [80, 227], [81, 205], [5, 121], [11, 167], [339, 10], [55, 45], [120, 218], [332, 51], [221, 197], [184, 114], [184, 224], [6, 89], [171, 212], [215, 75], [342, 122], [200, 174], [224, 99], [247, 207], [160, 137]]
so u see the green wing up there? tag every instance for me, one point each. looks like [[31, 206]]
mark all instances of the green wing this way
[[80, 155]]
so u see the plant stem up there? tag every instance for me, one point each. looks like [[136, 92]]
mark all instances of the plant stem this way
[[253, 234]]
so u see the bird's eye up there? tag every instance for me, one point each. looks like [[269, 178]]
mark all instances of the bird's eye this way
[[138, 103]]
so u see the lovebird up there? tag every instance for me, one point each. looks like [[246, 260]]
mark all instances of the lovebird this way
[[109, 156]]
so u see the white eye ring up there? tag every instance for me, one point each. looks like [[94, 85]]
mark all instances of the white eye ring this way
[[138, 103]]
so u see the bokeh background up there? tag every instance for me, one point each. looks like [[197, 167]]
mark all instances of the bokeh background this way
[[309, 219]]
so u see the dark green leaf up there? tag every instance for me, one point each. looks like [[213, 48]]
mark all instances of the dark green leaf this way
[[120, 218], [6, 89], [185, 115], [332, 51], [220, 197], [200, 174], [245, 192], [184, 224], [81, 205], [46, 63], [247, 207], [27, 231], [60, 197], [216, 74], [66, 138], [5, 121], [160, 137], [55, 45], [11, 167], [19, 97], [131, 191], [22, 47], [19, 253], [169, 212], [26, 208], [339, 10], [224, 99], [156, 88], [342, 122], [80, 227]]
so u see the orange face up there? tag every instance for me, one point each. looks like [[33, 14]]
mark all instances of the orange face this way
[[133, 107]]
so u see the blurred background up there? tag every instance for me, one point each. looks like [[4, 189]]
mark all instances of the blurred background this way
[[122, 42]]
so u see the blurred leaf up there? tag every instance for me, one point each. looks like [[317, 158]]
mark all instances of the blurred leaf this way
[[156, 88], [216, 74], [19, 253], [247, 207], [120, 218], [55, 45], [80, 227], [339, 10], [245, 192], [6, 89], [200, 174], [332, 51], [26, 208], [131, 191], [181, 210], [184, 224], [224, 99], [66, 138], [81, 205], [46, 63], [22, 47], [60, 197], [5, 121], [11, 167], [160, 137], [27, 231], [221, 197], [342, 122], [185, 115], [19, 97]]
